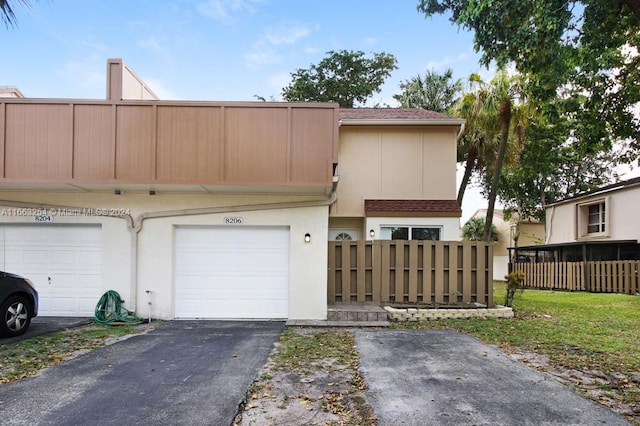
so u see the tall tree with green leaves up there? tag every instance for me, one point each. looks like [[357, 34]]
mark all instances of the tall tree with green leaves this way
[[581, 46], [435, 92], [346, 77]]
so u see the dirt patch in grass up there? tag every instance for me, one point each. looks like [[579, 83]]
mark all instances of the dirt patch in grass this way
[[311, 378]]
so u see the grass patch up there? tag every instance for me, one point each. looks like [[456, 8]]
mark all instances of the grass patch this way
[[590, 332], [26, 358]]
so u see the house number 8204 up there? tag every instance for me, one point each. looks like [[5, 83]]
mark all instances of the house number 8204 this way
[[233, 220]]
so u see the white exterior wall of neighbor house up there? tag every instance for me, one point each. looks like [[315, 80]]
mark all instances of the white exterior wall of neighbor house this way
[[132, 266], [621, 217]]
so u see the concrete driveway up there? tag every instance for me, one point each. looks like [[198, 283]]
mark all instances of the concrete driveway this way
[[442, 377], [181, 373]]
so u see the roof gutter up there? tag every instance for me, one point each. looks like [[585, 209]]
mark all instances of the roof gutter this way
[[400, 122]]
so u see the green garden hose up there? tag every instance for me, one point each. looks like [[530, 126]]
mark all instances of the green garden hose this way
[[110, 310]]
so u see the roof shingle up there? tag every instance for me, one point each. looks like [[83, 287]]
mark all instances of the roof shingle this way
[[391, 114], [418, 208]]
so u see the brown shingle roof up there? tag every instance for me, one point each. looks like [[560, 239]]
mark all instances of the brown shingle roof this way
[[391, 114], [418, 208]]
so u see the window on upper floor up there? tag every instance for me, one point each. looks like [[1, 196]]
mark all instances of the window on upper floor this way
[[593, 219], [597, 215], [410, 233]]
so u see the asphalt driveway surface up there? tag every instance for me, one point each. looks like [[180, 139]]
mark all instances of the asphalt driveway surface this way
[[181, 373], [442, 377]]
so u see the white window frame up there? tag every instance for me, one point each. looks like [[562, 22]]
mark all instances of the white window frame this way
[[385, 230], [583, 224], [353, 232]]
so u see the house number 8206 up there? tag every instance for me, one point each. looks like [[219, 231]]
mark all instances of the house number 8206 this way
[[234, 220]]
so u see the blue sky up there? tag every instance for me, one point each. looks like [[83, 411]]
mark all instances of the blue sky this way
[[221, 50]]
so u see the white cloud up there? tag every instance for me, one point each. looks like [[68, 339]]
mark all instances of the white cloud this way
[[225, 11], [259, 57], [152, 43], [88, 75], [285, 34], [263, 51]]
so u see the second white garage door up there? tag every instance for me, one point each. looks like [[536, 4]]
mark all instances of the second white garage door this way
[[232, 272]]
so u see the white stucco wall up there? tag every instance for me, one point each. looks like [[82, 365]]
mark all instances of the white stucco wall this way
[[133, 263], [622, 222], [450, 225]]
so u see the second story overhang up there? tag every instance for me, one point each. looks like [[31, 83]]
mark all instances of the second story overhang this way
[[96, 145]]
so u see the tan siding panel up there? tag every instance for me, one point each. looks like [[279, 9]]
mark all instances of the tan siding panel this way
[[135, 153], [93, 153], [38, 142], [256, 145], [311, 139], [188, 144]]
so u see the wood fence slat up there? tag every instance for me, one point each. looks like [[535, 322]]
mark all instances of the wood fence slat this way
[[427, 273], [331, 274], [452, 288], [346, 272], [376, 254], [466, 271], [487, 294], [413, 271], [399, 271], [481, 268], [384, 270], [439, 273], [361, 272]]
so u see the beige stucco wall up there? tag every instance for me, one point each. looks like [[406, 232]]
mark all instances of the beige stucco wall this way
[[394, 163], [622, 220], [134, 263], [530, 234], [450, 225]]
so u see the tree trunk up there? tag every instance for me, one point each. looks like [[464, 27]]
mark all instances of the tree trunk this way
[[505, 119], [468, 169]]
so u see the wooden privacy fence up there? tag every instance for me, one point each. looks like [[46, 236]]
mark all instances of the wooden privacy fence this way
[[436, 273], [601, 277]]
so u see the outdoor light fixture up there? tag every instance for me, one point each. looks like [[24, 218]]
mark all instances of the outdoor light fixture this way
[[307, 237], [117, 191], [372, 233], [152, 192]]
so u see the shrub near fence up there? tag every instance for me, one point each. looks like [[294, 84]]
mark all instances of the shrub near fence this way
[[434, 273], [599, 277]]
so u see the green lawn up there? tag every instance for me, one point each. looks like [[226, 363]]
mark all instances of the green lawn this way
[[590, 332]]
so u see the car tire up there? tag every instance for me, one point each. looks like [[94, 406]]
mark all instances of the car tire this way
[[15, 316]]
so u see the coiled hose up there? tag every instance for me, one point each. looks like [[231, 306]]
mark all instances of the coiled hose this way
[[109, 310]]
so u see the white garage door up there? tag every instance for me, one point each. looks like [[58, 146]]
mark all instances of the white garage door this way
[[232, 272], [63, 261]]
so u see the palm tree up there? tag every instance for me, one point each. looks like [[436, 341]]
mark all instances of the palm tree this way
[[503, 103], [6, 11], [435, 92], [496, 120]]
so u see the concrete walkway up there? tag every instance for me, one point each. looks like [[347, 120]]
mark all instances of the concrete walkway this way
[[442, 377]]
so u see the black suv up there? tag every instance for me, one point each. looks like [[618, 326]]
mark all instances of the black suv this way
[[18, 304]]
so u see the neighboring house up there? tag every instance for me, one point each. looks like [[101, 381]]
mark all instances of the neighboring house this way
[[595, 226], [397, 176], [209, 209], [531, 233]]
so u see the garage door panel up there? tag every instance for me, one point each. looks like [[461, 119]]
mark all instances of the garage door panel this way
[[71, 255], [232, 272]]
